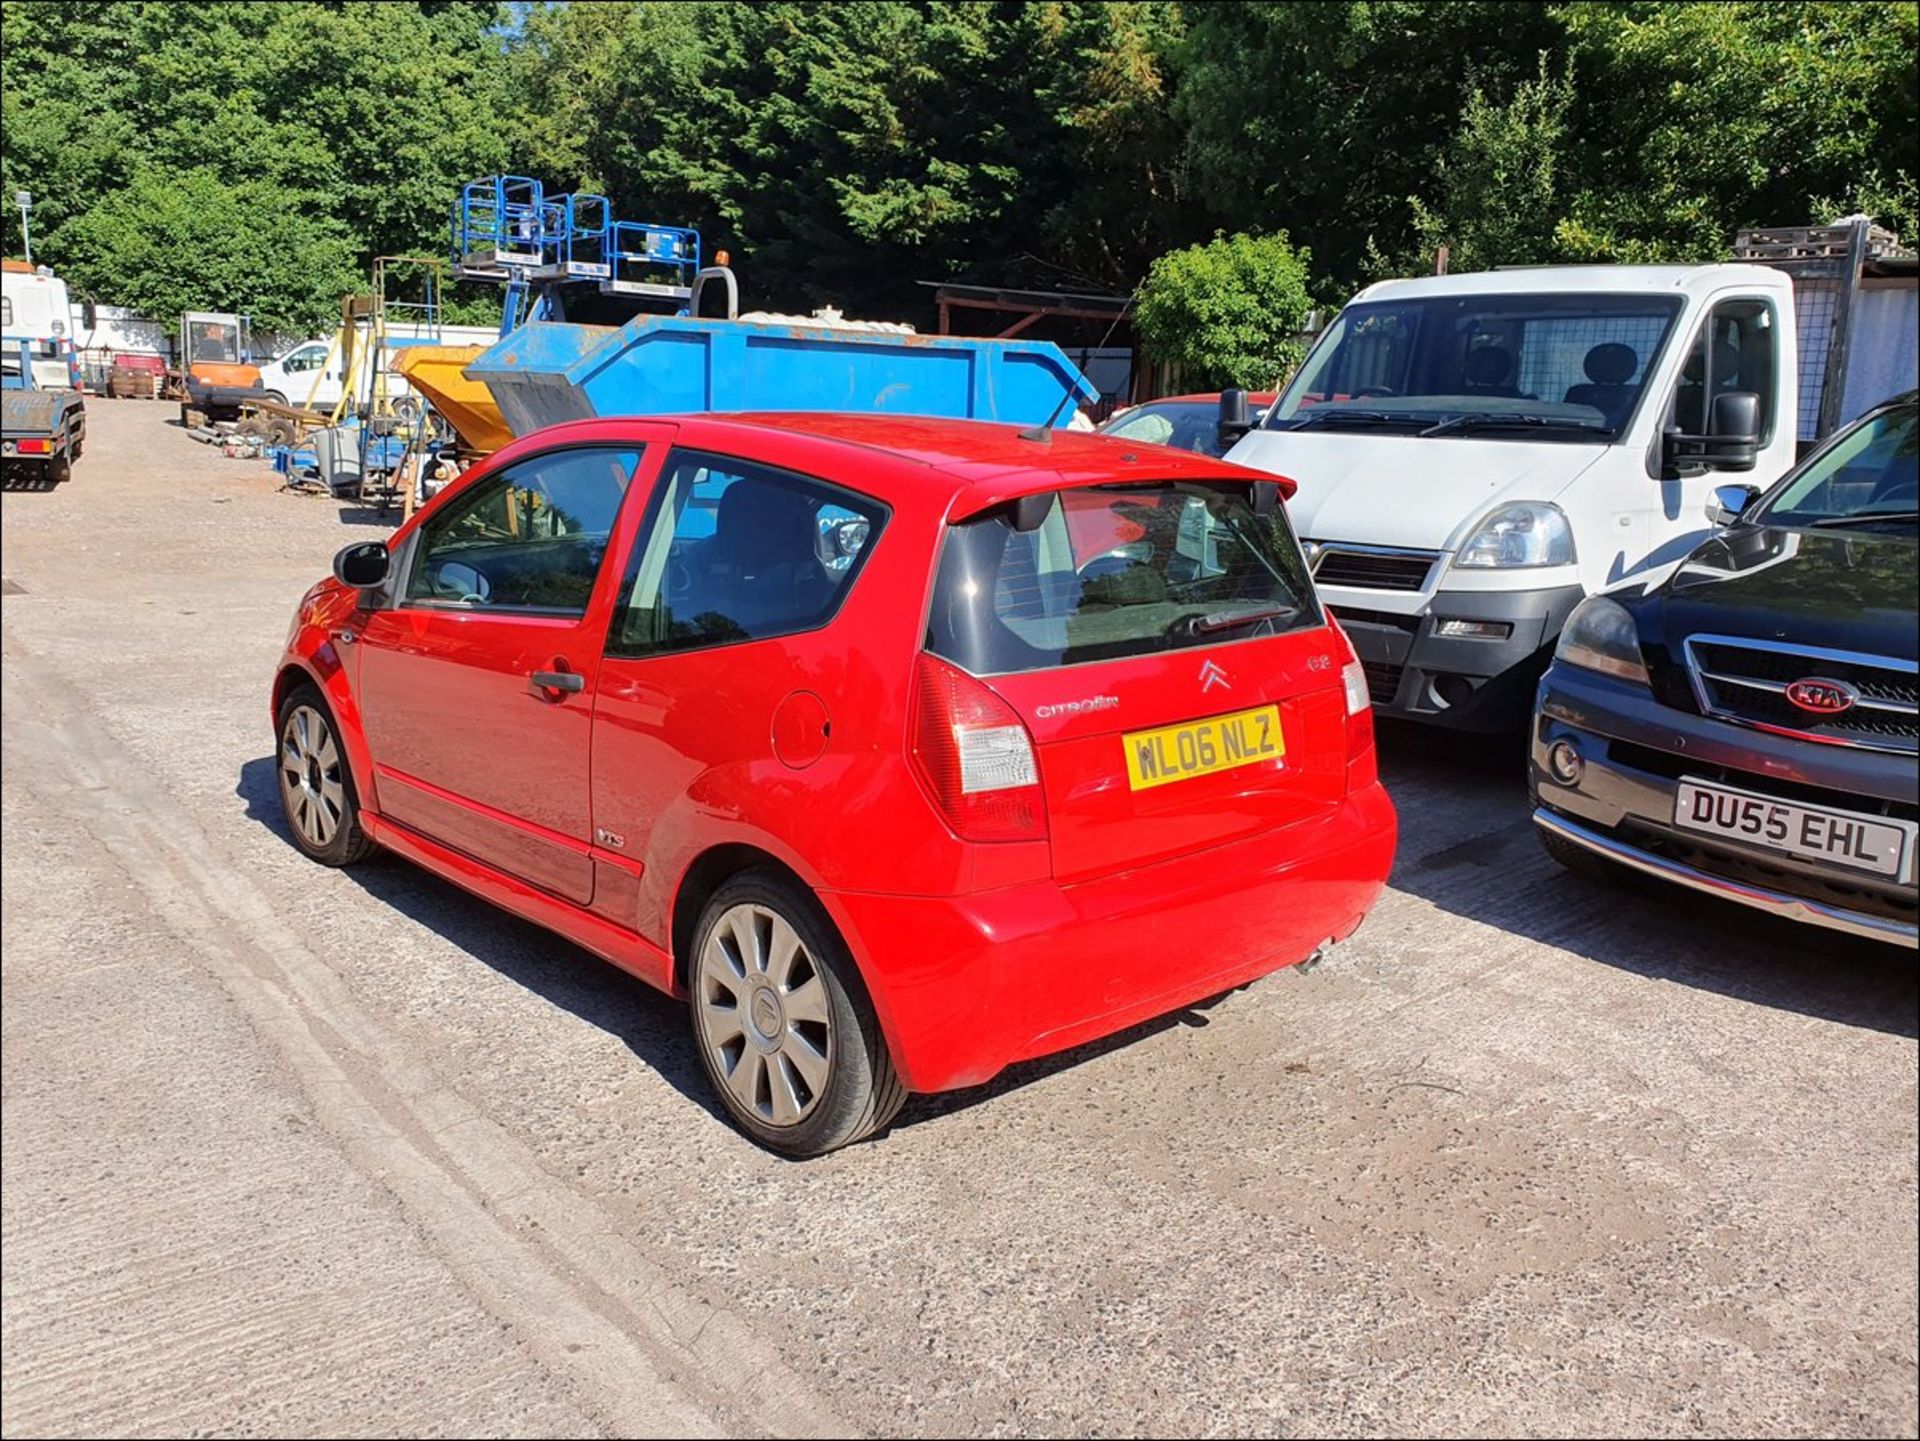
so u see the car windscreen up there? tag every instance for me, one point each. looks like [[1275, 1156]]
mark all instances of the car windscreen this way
[[1868, 476], [1115, 571], [1183, 424], [1562, 367]]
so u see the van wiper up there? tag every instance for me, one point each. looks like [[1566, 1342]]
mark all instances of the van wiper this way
[[1498, 420], [1359, 419], [1867, 517]]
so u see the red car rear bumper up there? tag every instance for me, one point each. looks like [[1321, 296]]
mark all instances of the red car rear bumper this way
[[967, 985]]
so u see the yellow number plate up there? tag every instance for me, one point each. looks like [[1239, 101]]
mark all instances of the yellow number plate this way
[[1198, 748]]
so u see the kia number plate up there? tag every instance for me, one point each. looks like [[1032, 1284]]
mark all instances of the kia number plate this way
[[1846, 838], [1198, 748]]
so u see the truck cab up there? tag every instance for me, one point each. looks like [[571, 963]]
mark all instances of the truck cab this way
[[34, 306], [1475, 454]]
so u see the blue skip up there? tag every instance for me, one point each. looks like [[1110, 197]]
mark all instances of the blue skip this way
[[545, 373]]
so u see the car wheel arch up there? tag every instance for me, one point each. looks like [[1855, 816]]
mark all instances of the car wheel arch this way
[[346, 718], [707, 872]]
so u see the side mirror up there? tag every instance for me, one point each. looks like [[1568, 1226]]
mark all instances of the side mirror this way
[[89, 315], [1730, 502], [1732, 441], [362, 565], [1236, 418]]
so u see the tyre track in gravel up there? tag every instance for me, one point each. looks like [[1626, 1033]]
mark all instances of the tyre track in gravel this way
[[642, 1353]]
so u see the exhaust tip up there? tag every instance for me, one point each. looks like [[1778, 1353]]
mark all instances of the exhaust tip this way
[[1317, 956]]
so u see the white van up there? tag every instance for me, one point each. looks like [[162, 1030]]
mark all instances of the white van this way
[[309, 374], [312, 372], [34, 306], [1477, 453]]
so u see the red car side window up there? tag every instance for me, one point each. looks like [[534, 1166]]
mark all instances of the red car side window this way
[[531, 538], [736, 551]]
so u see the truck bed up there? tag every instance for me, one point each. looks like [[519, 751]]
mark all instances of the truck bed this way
[[35, 412]]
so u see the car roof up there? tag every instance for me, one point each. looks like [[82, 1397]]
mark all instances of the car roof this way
[[971, 465]]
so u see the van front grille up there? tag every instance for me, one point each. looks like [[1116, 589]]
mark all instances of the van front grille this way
[[1373, 569]]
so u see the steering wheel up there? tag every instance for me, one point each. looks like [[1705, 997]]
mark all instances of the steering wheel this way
[[1367, 390]]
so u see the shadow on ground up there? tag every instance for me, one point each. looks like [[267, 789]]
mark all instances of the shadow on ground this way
[[652, 1025], [1468, 845]]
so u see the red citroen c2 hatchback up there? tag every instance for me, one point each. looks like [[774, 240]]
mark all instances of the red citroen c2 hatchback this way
[[904, 749]]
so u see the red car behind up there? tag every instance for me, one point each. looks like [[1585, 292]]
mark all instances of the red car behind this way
[[904, 748]]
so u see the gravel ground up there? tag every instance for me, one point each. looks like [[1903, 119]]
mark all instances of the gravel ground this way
[[295, 1151]]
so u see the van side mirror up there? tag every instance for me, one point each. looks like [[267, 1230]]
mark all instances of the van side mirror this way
[[89, 315], [362, 565], [1730, 502], [1236, 418], [1732, 441]]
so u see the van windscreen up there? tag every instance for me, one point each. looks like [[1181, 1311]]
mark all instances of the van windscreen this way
[[1114, 571]]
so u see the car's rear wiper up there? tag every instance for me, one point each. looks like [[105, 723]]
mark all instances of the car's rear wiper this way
[[1497, 420], [1233, 619], [1867, 517]]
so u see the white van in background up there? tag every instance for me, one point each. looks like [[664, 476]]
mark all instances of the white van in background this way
[[34, 306], [1477, 453], [312, 373]]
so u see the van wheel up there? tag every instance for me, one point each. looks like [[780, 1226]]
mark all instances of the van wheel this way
[[783, 1023], [1578, 859], [316, 784]]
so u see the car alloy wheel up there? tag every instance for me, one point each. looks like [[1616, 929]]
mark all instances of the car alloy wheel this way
[[764, 1016], [310, 781]]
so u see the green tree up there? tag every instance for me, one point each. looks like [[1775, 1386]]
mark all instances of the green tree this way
[[334, 123], [1229, 312], [1694, 120], [1323, 120], [1501, 190], [843, 153], [171, 240]]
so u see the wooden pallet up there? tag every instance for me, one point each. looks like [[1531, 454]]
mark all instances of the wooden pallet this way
[[1810, 242]]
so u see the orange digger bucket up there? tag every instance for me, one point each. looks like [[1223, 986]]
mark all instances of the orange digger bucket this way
[[438, 373]]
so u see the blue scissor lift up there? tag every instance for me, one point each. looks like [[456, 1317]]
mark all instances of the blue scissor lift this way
[[506, 228]]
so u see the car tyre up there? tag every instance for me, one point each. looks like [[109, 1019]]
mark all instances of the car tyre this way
[[1578, 859], [785, 1029], [316, 783]]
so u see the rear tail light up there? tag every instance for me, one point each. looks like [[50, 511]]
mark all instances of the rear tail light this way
[[36, 447], [976, 757], [1353, 676], [1363, 767]]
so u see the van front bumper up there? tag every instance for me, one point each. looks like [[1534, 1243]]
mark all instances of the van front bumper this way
[[1478, 682], [1633, 751], [967, 985]]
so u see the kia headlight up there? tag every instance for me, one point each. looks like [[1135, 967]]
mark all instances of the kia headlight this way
[[1600, 635], [1529, 533]]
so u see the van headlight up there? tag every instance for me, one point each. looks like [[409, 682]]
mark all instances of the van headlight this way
[[1527, 533], [1600, 635]]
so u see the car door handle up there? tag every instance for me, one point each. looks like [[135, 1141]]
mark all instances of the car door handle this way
[[559, 680]]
